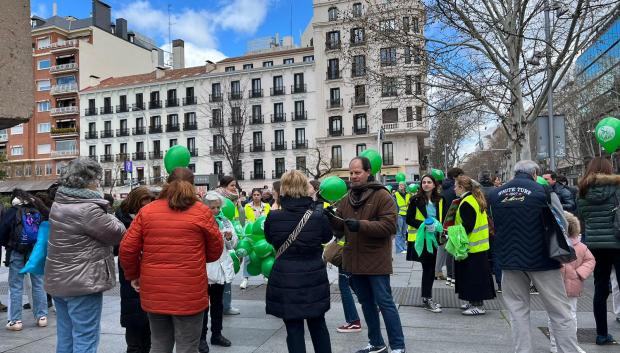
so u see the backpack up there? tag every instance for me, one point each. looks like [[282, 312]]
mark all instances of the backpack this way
[[27, 226]]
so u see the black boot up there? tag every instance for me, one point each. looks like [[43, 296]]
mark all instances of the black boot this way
[[203, 347], [220, 341]]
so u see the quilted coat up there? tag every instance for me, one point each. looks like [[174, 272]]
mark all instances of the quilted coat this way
[[577, 271], [596, 210], [168, 251]]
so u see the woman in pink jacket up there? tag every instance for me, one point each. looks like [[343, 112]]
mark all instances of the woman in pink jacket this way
[[576, 272]]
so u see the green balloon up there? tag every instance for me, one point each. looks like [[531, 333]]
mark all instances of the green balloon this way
[[245, 244], [607, 134], [254, 268], [413, 188], [401, 177], [333, 188], [248, 228], [437, 174], [375, 160], [254, 258], [228, 209], [267, 266], [542, 181], [257, 237], [235, 260], [241, 253], [262, 248], [176, 157], [389, 188], [259, 226]]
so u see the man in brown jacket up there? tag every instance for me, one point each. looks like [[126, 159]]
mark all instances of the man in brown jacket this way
[[367, 217]]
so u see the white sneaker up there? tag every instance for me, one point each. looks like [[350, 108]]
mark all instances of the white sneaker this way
[[14, 325], [244, 283], [474, 311], [42, 322], [398, 350], [465, 306]]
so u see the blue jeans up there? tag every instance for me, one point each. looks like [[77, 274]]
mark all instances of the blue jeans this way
[[401, 234], [16, 289], [227, 296], [348, 303], [373, 291], [78, 323]]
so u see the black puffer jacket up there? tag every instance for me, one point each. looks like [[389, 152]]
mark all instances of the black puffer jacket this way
[[596, 209], [132, 314], [298, 286]]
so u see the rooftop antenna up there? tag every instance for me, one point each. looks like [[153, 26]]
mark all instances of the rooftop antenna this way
[[170, 56], [292, 37]]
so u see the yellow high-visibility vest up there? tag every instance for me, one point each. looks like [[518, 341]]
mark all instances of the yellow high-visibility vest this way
[[479, 236], [413, 232], [249, 211], [402, 203]]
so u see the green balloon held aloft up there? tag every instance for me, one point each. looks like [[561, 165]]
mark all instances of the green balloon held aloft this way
[[259, 226], [228, 209], [245, 244], [262, 248], [333, 188], [413, 188], [235, 259], [375, 160], [241, 253], [438, 174], [401, 177], [542, 181], [267, 266], [177, 157], [254, 268], [607, 134]]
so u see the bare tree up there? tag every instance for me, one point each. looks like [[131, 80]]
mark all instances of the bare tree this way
[[318, 163]]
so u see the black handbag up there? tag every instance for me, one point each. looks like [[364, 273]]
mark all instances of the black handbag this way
[[559, 246]]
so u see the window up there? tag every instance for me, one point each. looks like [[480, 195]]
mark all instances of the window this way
[[418, 84], [278, 109], [256, 87], [300, 136], [279, 137], [43, 43], [38, 170], [357, 36], [92, 150], [357, 9], [388, 153], [359, 148], [48, 168], [258, 168], [415, 26], [43, 106], [44, 149], [248, 66], [389, 116], [388, 87], [335, 125], [418, 113], [332, 13], [17, 129], [43, 128], [288, 61], [229, 69], [278, 85], [300, 164], [191, 144], [360, 95], [333, 69], [359, 66], [235, 114], [60, 167], [43, 64], [298, 80], [308, 58], [332, 40], [409, 113], [218, 168], [388, 56], [257, 138], [27, 170], [173, 142], [334, 97], [336, 156], [43, 85], [408, 84], [267, 63], [216, 90], [17, 150], [67, 145], [257, 113], [280, 167], [407, 55], [417, 55], [361, 123], [406, 24], [299, 110], [387, 25], [65, 80]]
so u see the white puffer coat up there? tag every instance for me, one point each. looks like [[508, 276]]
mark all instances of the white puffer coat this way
[[222, 271]]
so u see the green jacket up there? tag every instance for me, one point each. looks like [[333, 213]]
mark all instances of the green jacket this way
[[596, 209]]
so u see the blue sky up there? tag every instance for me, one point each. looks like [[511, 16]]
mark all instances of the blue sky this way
[[211, 29]]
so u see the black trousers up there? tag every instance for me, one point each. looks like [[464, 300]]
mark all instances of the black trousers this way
[[318, 332], [428, 276], [605, 259], [138, 339], [216, 309]]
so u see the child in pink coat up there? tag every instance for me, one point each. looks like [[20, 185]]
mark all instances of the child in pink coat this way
[[576, 272]]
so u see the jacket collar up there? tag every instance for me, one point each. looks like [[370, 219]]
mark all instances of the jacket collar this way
[[296, 203], [522, 175]]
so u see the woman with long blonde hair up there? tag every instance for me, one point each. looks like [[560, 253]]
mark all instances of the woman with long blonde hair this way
[[474, 282]]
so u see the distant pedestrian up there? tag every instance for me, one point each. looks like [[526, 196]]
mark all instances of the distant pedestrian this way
[[563, 192], [448, 194], [402, 198]]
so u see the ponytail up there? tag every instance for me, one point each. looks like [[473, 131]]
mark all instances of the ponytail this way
[[180, 194], [474, 187]]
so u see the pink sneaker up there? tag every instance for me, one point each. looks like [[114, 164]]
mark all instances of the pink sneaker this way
[[354, 326]]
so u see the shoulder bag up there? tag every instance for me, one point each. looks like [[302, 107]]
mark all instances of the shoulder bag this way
[[559, 246], [293, 236]]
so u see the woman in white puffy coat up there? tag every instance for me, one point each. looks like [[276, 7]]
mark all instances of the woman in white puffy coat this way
[[219, 272]]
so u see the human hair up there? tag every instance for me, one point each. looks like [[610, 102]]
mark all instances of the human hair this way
[[453, 173], [81, 173], [316, 185], [180, 191], [366, 166], [226, 180], [598, 165], [259, 190], [109, 198], [211, 197], [29, 199], [435, 195], [294, 184], [468, 184], [527, 166], [553, 175], [574, 228], [133, 202]]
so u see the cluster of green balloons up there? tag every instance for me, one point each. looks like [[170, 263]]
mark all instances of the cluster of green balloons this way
[[252, 244], [176, 157], [333, 188], [607, 134]]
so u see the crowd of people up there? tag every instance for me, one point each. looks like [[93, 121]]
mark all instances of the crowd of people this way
[[174, 247]]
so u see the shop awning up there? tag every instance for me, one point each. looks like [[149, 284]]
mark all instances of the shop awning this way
[[7, 186]]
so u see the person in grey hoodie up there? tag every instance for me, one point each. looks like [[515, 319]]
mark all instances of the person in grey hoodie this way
[[80, 261]]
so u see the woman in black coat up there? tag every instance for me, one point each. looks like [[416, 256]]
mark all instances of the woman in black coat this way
[[133, 318], [298, 287]]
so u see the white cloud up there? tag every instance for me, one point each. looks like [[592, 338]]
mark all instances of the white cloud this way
[[243, 16], [41, 10], [196, 55]]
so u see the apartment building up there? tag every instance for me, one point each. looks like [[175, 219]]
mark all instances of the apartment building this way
[[259, 108], [67, 54]]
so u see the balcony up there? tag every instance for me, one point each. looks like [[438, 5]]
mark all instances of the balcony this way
[[106, 134], [216, 123], [235, 121], [299, 145], [155, 104], [389, 92], [277, 91], [333, 75], [215, 98], [362, 130], [66, 88], [386, 62], [359, 101], [278, 118], [155, 129], [358, 70], [106, 110], [278, 146], [193, 152], [122, 108], [299, 115], [299, 88], [90, 111], [65, 45], [233, 96], [64, 131], [156, 155], [257, 175], [277, 174], [173, 127], [89, 135], [190, 100], [64, 68], [71, 110], [255, 93], [140, 130], [65, 153], [357, 42], [106, 158], [158, 180], [137, 106], [257, 147], [334, 103], [256, 119], [121, 157], [139, 156], [406, 127], [216, 150], [192, 125], [333, 132], [332, 44], [240, 175], [122, 132], [93, 158], [174, 102]]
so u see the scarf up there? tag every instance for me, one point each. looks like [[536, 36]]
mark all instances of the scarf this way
[[227, 194], [80, 193], [361, 193]]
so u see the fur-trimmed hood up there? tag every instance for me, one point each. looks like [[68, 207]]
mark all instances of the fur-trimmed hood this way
[[601, 187]]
